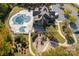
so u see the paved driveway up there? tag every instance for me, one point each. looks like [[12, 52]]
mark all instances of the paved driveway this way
[[59, 11]]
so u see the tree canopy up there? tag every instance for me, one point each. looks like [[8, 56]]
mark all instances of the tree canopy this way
[[72, 19]]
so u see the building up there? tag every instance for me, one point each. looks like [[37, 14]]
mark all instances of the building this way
[[42, 17], [23, 21]]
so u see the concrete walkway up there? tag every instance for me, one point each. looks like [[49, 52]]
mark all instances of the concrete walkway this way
[[30, 45]]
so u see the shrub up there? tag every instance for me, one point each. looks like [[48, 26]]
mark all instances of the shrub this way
[[67, 11], [59, 51], [72, 19]]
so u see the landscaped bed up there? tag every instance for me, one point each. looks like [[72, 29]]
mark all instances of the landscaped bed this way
[[66, 29], [67, 32]]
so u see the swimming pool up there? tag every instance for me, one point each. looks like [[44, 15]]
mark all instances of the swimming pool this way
[[22, 29], [21, 18], [21, 22]]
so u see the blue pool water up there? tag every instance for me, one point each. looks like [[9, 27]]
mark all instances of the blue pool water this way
[[21, 18], [22, 29]]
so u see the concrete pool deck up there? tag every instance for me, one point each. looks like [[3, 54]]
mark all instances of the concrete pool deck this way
[[28, 25]]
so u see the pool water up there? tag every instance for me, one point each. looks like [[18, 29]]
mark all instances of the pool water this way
[[22, 29], [20, 19], [21, 22]]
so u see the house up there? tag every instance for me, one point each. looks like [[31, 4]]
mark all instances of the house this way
[[43, 17]]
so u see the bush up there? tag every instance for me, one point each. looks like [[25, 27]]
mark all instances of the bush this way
[[8, 38], [59, 51], [2, 25], [67, 11], [5, 47], [4, 10], [72, 19], [61, 4], [78, 11]]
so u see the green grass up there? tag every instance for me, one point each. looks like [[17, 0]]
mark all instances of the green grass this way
[[59, 51], [58, 36], [53, 32], [15, 10], [18, 54], [78, 40]]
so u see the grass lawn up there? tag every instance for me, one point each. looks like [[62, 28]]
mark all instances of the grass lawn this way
[[53, 32], [18, 54], [58, 36], [14, 11], [78, 40]]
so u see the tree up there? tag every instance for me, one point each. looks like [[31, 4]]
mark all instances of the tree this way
[[8, 38], [59, 51], [2, 25], [5, 45], [78, 11], [4, 48], [72, 19], [49, 32], [61, 4], [67, 11], [4, 10]]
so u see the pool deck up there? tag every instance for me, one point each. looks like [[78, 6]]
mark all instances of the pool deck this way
[[28, 25]]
